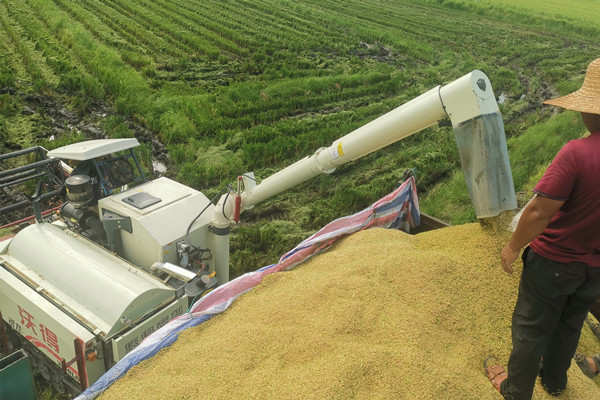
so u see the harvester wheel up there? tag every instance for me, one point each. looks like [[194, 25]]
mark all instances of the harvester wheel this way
[[44, 369], [32, 353], [56, 379], [14, 340]]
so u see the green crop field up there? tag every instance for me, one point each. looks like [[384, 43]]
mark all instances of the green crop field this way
[[575, 12], [230, 86]]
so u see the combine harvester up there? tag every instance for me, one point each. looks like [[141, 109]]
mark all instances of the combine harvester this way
[[82, 288]]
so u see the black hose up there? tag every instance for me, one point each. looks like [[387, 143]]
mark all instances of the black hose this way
[[187, 233], [225, 202]]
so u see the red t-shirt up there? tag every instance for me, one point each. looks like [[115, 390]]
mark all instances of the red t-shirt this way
[[573, 234]]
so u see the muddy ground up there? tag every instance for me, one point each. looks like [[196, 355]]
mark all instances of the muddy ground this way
[[52, 117]]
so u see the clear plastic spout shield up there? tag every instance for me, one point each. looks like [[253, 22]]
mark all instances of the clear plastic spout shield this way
[[484, 157]]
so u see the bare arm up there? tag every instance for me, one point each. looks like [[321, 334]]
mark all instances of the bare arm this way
[[534, 220]]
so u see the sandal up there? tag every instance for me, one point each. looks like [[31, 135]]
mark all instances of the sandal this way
[[583, 364], [495, 372]]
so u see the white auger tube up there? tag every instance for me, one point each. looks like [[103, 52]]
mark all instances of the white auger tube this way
[[471, 105]]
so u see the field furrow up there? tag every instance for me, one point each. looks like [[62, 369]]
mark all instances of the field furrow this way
[[251, 35], [283, 34], [105, 34], [33, 60], [57, 57], [224, 42], [141, 31], [401, 21], [304, 94], [282, 112], [137, 38], [296, 16], [367, 26], [169, 30], [238, 14], [12, 65], [203, 24]]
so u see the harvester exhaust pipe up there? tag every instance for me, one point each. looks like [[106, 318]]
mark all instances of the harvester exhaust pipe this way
[[477, 123]]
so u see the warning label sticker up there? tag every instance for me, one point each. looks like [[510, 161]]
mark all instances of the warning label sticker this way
[[337, 152]]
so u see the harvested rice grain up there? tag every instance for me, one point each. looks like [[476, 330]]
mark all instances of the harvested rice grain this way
[[381, 315]]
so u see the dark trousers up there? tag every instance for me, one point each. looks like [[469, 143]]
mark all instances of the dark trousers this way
[[554, 299]]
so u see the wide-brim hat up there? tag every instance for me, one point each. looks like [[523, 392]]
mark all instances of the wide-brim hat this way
[[586, 99]]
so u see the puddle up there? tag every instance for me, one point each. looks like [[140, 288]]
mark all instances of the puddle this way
[[159, 167]]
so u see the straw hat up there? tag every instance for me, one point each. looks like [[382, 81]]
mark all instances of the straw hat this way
[[586, 99]]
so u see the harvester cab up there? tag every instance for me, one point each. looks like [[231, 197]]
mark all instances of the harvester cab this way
[[95, 169], [110, 163], [126, 254], [110, 201]]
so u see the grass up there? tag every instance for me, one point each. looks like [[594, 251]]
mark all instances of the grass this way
[[579, 12]]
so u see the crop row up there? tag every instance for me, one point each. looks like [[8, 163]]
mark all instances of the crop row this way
[[265, 107], [117, 29], [11, 68], [366, 23], [243, 113], [225, 27], [201, 40], [294, 23], [30, 58], [240, 113], [264, 62], [168, 29], [222, 38], [56, 57], [131, 32]]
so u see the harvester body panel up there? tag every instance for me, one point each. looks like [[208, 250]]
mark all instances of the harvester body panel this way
[[103, 291], [44, 325], [156, 229]]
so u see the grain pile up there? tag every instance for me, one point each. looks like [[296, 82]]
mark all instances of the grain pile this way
[[381, 315]]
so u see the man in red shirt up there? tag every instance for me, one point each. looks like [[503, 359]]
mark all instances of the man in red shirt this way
[[561, 263]]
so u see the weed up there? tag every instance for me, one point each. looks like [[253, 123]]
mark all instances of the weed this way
[[116, 127], [8, 105]]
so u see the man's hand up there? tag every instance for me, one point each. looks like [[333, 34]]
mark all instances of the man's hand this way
[[508, 256], [535, 218]]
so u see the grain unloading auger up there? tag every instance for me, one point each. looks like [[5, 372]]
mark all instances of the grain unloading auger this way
[[126, 254], [478, 128]]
